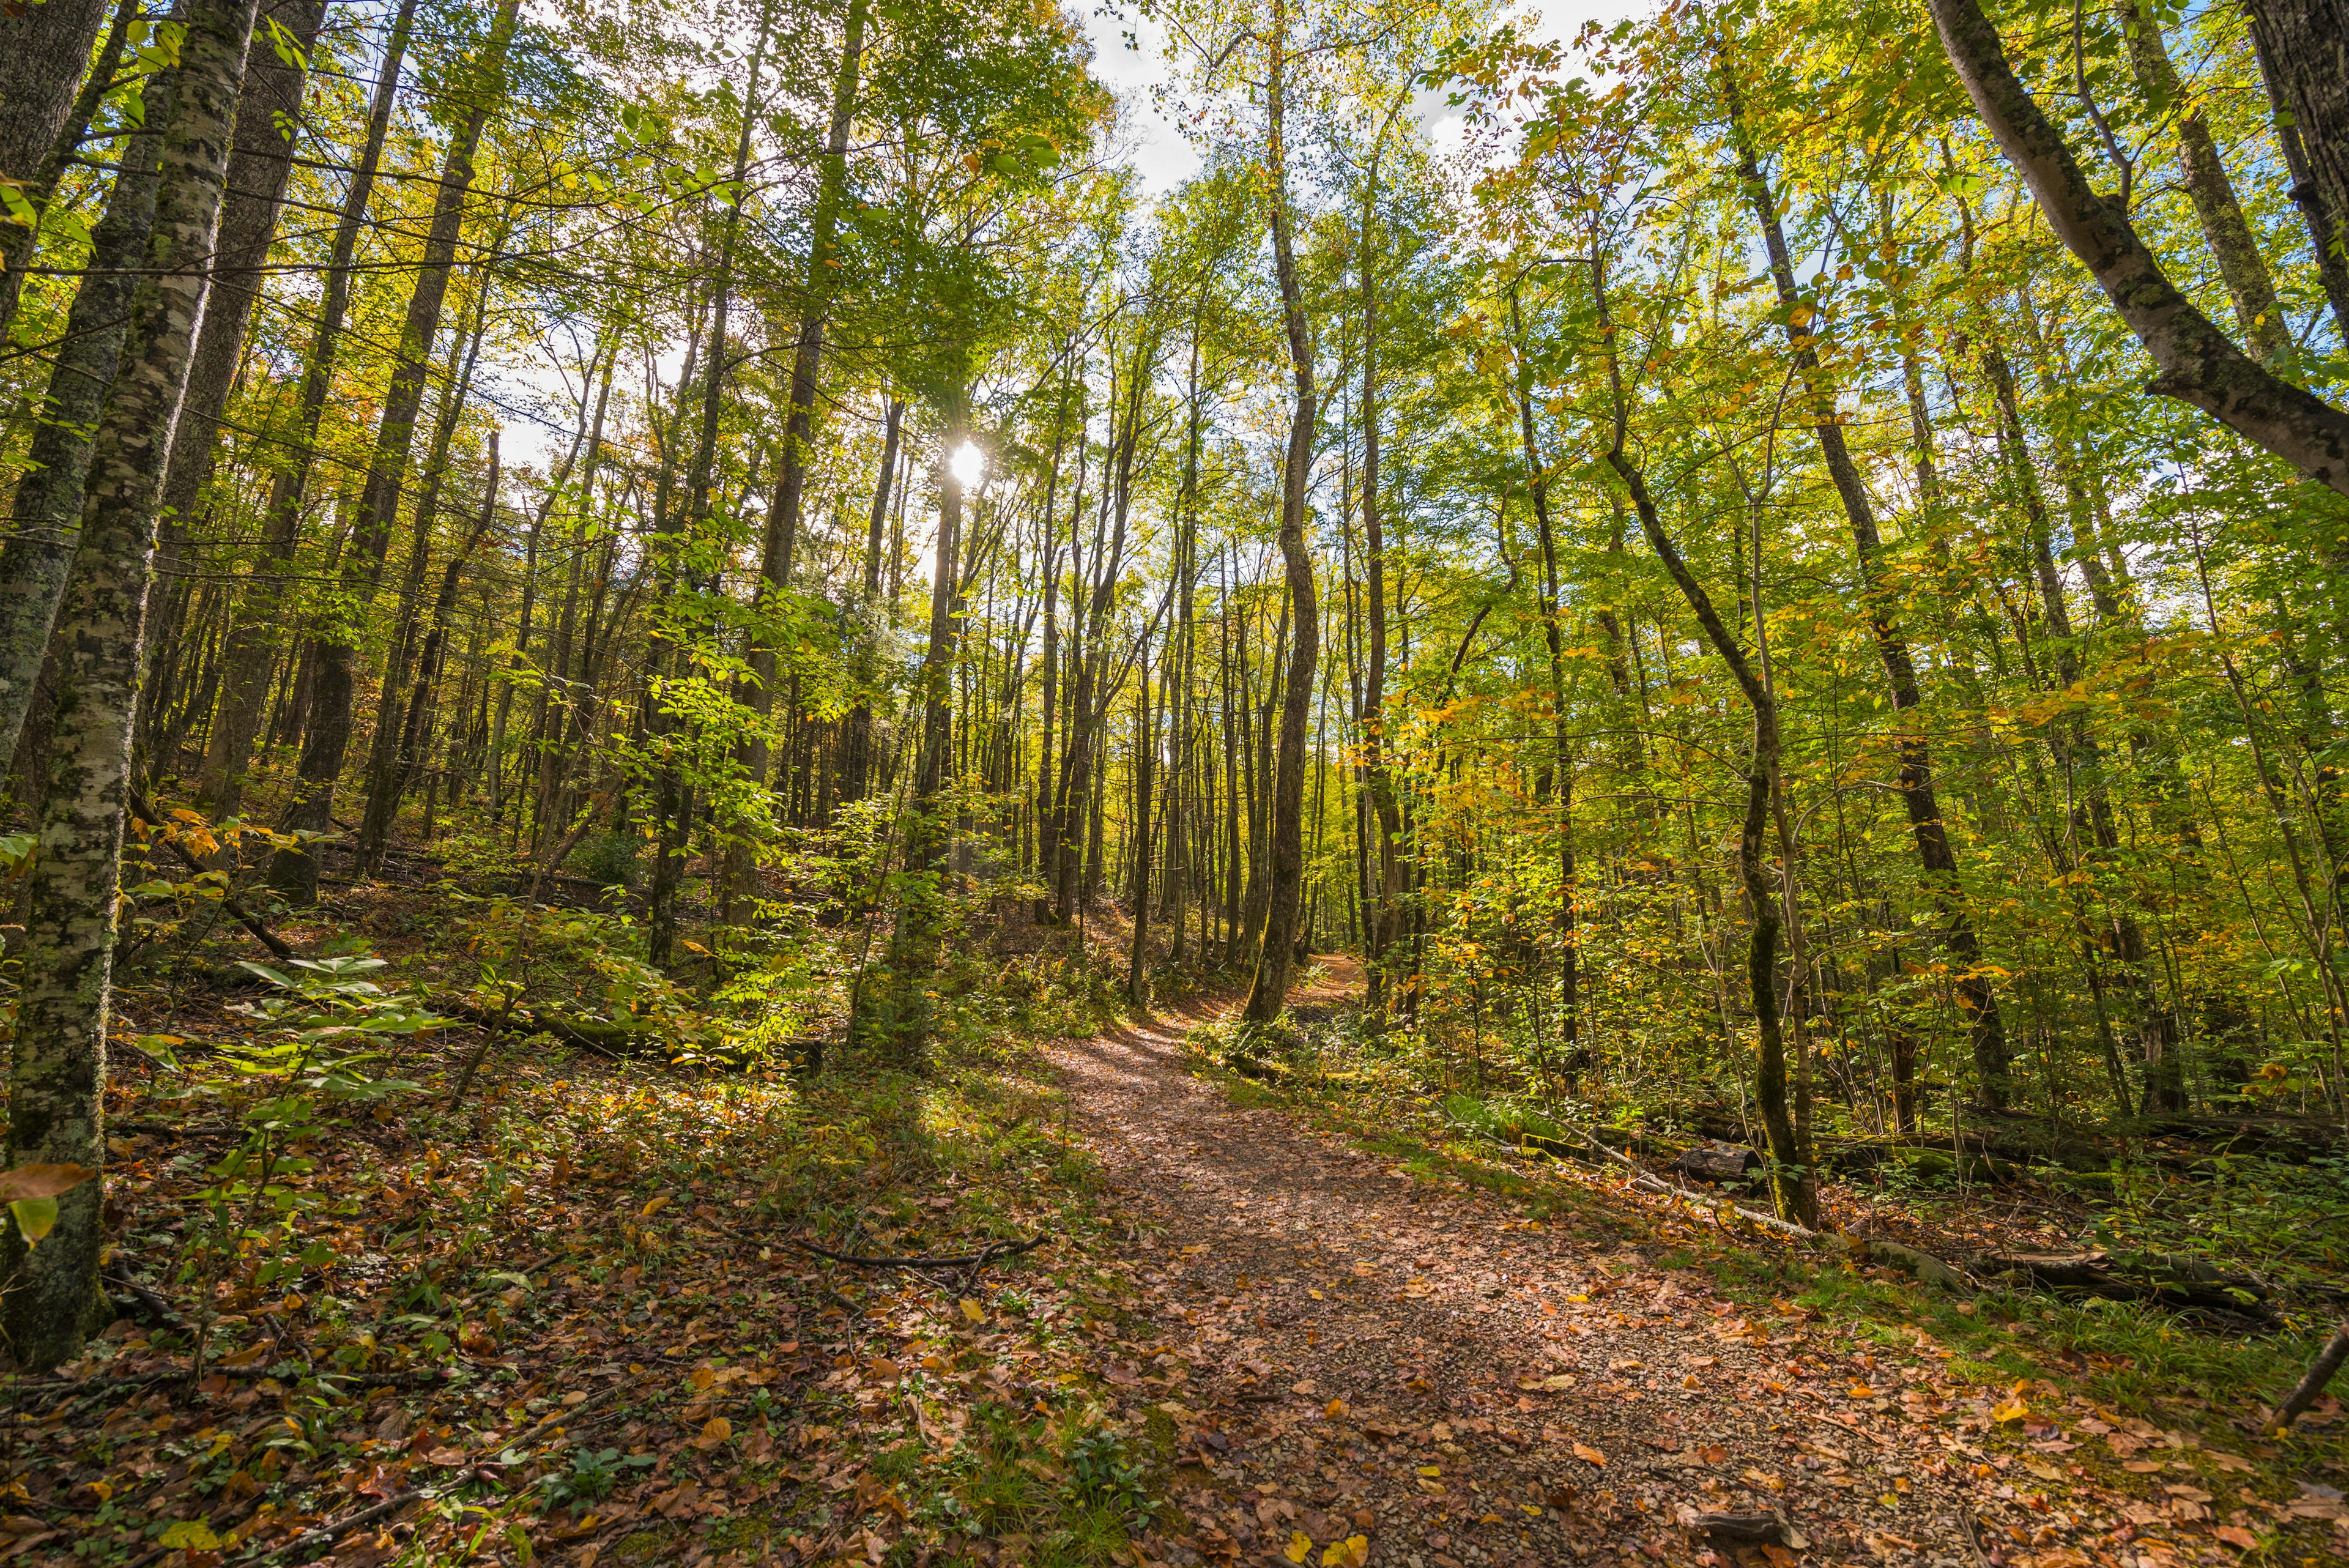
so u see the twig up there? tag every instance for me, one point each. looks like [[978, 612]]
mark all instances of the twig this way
[[977, 1260], [157, 1307], [327, 1534], [2328, 1362], [1973, 1541], [244, 917]]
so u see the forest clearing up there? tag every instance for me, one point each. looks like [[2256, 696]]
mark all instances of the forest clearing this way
[[1375, 782]]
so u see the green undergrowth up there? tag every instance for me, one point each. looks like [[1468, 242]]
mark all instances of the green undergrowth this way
[[622, 1231], [2132, 1358]]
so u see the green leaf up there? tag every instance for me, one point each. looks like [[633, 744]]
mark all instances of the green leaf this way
[[35, 1217]]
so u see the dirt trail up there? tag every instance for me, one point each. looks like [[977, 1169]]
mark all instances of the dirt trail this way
[[1512, 1393]]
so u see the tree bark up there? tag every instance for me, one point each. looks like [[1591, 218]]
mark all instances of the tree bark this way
[[409, 755], [2305, 47], [1276, 952], [904, 1021], [856, 760], [49, 503], [1385, 819], [1145, 754], [254, 635], [2198, 364], [261, 160], [44, 57], [1561, 758], [2325, 223], [2241, 266], [58, 1073], [1791, 1180]]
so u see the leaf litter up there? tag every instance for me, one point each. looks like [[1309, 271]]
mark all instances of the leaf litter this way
[[568, 1324]]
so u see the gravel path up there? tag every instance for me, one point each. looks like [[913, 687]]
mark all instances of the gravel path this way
[[1369, 1355]]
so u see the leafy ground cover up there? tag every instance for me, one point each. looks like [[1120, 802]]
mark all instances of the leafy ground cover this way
[[1282, 1316], [560, 1313], [2063, 1432]]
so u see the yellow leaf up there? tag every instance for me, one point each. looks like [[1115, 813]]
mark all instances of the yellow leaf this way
[[653, 1207], [2008, 1410], [1300, 1546], [1430, 1471], [1317, 1296], [1351, 1552], [35, 1217], [190, 1534], [716, 1430], [701, 1377], [1585, 1452], [973, 1311]]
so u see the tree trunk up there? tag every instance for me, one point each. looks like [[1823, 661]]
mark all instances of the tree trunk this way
[[268, 107], [58, 1072], [1986, 1026], [1276, 952], [255, 636], [902, 1009], [1378, 918], [1561, 758], [2197, 362], [856, 763], [294, 869], [382, 800], [1145, 748], [409, 754], [44, 56], [2304, 45], [49, 496], [2325, 223], [2241, 266], [1790, 1174], [258, 167]]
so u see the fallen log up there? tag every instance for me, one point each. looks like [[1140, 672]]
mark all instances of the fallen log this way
[[1719, 1162], [2186, 1282], [606, 1039], [1928, 1269]]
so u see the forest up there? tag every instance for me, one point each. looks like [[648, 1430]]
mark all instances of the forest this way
[[709, 712]]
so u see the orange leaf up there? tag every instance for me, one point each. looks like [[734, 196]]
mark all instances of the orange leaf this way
[[1586, 1452]]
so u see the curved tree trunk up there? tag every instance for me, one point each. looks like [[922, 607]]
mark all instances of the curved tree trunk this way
[[1791, 1178], [2197, 363]]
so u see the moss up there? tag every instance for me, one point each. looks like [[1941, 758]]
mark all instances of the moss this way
[[642, 1546]]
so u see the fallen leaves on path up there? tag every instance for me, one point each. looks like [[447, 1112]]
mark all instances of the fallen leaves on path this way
[[1427, 1371]]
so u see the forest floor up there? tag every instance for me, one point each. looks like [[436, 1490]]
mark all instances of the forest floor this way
[[1414, 1369], [572, 1319]]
